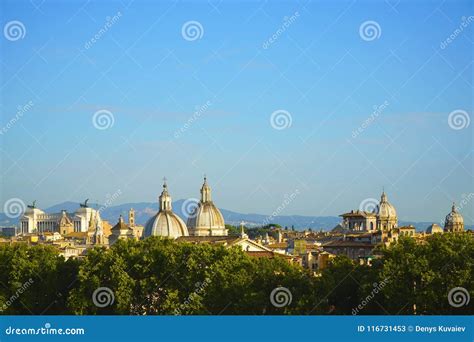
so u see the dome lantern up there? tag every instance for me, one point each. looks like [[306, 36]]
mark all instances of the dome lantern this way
[[165, 223]]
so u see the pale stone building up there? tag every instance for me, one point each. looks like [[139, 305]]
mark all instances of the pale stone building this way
[[383, 218], [121, 231], [35, 220], [359, 221]]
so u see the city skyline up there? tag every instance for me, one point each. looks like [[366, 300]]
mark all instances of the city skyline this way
[[15, 208], [183, 105]]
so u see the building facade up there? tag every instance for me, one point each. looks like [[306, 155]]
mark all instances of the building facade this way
[[35, 220]]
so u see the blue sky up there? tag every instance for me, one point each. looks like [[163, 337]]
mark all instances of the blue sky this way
[[319, 69]]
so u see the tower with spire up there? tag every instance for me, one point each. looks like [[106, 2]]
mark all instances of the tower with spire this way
[[131, 217]]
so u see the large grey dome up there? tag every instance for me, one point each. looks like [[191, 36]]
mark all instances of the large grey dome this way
[[206, 220], [165, 223]]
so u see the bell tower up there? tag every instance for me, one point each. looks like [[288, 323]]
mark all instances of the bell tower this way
[[131, 217]]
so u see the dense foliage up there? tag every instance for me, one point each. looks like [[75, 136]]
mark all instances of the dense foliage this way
[[156, 276]]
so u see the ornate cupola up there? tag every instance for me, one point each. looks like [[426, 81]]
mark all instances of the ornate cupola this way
[[165, 198], [165, 222], [387, 218], [206, 220], [454, 221], [205, 192]]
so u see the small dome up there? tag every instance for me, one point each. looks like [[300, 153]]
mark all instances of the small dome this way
[[165, 223], [453, 217], [385, 209], [434, 228], [120, 226]]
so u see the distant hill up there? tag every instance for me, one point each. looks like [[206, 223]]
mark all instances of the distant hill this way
[[145, 210]]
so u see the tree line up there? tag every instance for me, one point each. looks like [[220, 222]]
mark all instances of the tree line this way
[[161, 277]]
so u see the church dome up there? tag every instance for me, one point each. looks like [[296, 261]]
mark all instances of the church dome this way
[[165, 223], [453, 218], [385, 209], [206, 220], [434, 228]]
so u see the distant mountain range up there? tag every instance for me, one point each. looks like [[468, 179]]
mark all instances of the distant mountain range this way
[[144, 210]]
